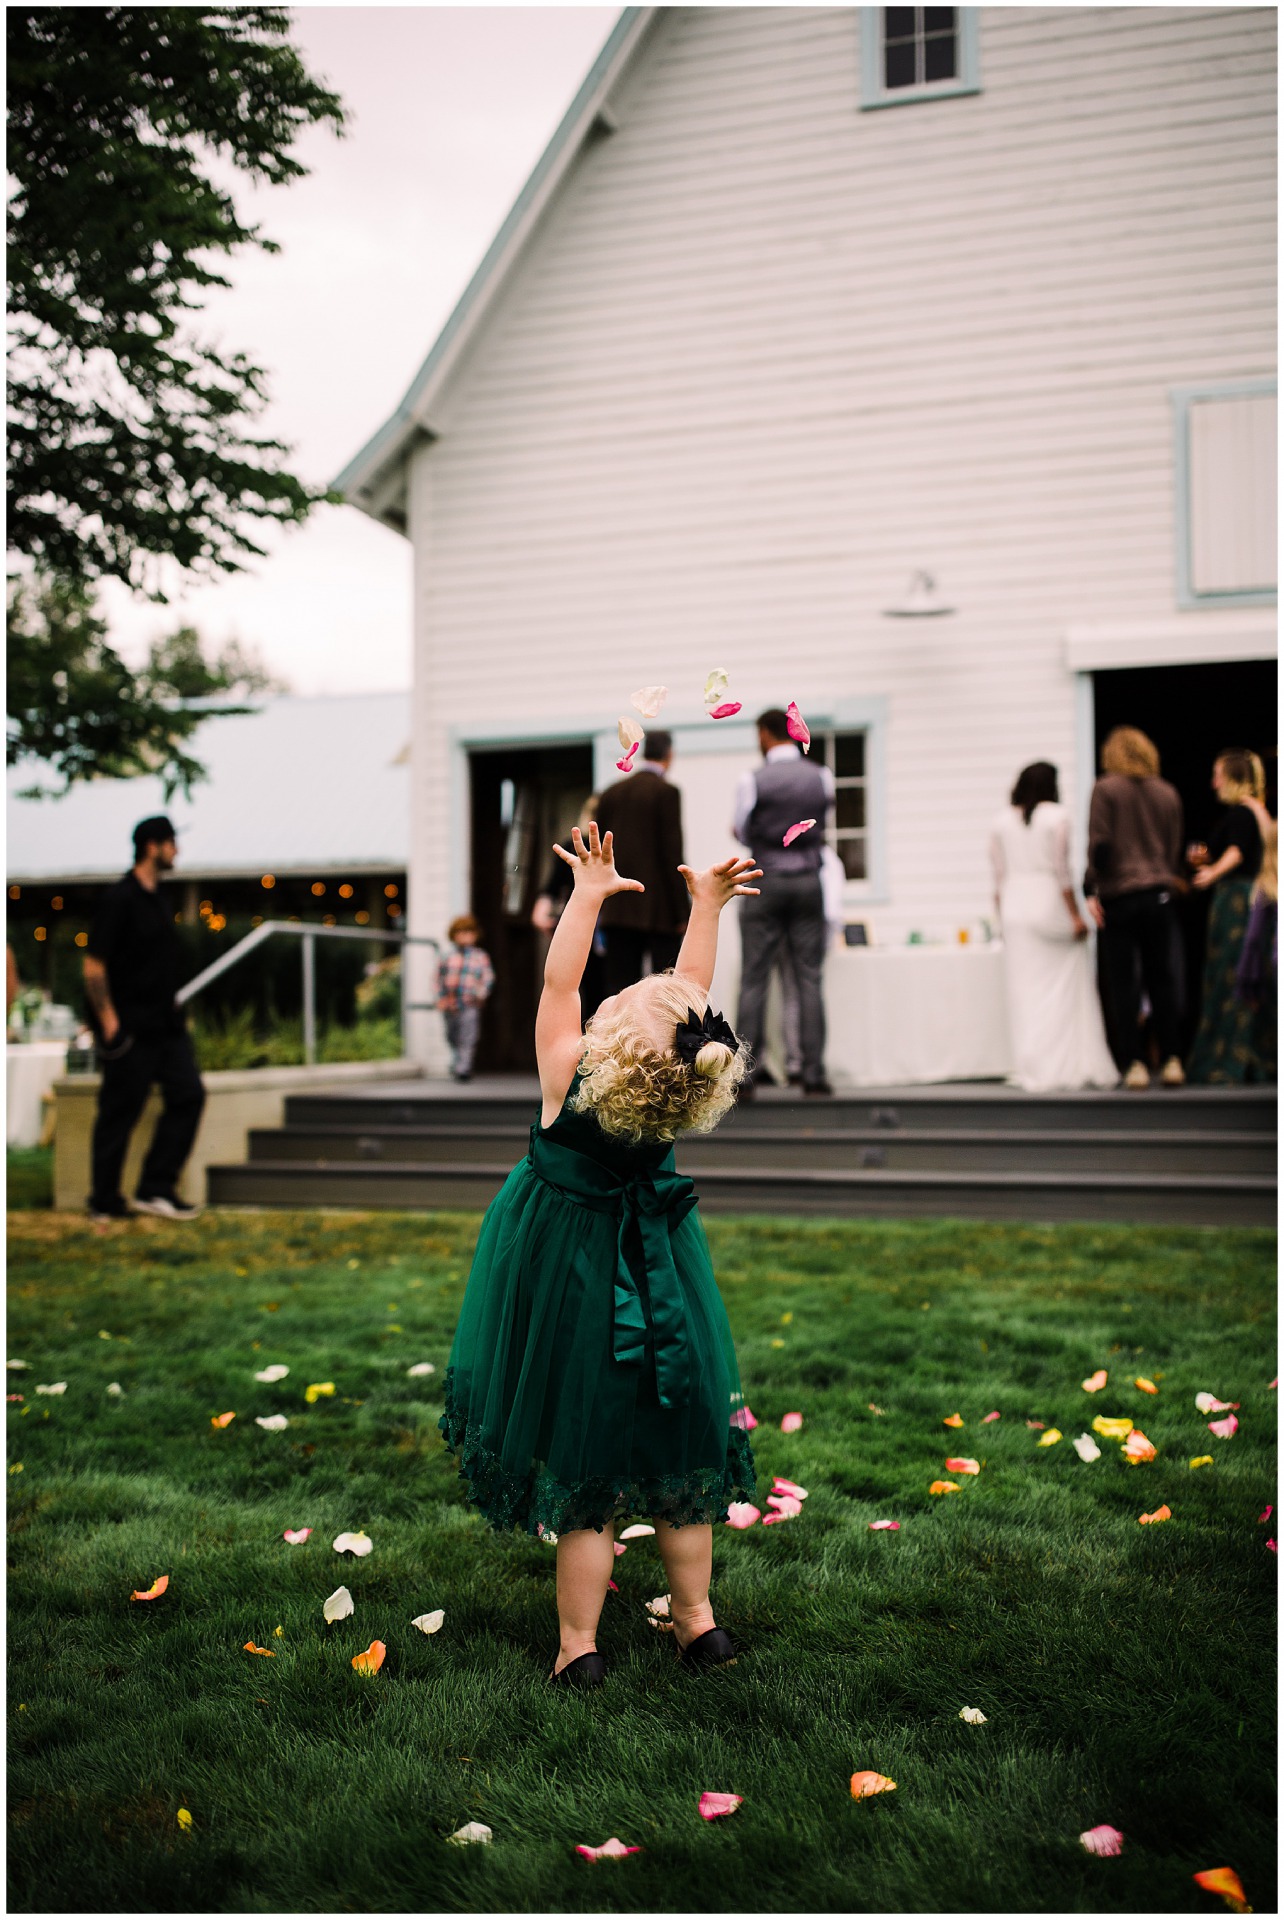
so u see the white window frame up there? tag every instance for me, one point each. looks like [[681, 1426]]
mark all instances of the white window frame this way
[[1183, 398], [875, 93]]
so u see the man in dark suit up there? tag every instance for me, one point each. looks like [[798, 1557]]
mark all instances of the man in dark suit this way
[[643, 931]]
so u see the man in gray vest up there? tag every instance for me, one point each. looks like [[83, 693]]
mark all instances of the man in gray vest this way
[[790, 905]]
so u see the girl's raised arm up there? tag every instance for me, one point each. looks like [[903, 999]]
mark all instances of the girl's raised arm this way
[[710, 892], [559, 1037]]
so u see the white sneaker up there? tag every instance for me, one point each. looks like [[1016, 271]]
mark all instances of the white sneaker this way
[[1172, 1073], [167, 1206], [1137, 1076]]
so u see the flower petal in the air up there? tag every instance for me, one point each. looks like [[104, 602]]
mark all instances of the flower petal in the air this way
[[639, 1531], [472, 1835], [1136, 1448], [1102, 1840], [649, 700], [789, 1486], [1096, 1381], [1146, 1386], [1224, 1428], [725, 711], [1050, 1438], [961, 1464], [269, 1374], [372, 1659], [420, 1369], [713, 1806], [319, 1389], [715, 686], [155, 1591], [952, 1420], [295, 1536], [742, 1514], [973, 1716], [338, 1606], [1152, 1519], [358, 1543], [216, 1419], [865, 1784], [944, 1486], [796, 831], [1086, 1447], [430, 1622], [1110, 1428], [884, 1526], [611, 1849], [629, 733], [625, 765], [798, 728], [791, 1423], [1209, 1403], [996, 1415], [1226, 1882], [271, 1422]]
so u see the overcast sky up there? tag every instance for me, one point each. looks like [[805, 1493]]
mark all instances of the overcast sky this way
[[450, 107]]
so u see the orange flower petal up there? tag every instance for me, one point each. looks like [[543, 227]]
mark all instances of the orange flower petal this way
[[267, 1652], [1136, 1448], [155, 1591], [222, 1419], [1147, 1386], [865, 1784], [944, 1486], [1226, 1881], [952, 1420], [1096, 1381], [372, 1659], [1150, 1519]]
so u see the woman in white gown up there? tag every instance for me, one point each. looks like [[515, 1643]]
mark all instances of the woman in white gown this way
[[1054, 1015]]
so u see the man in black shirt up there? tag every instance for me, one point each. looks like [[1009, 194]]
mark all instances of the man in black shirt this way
[[131, 977]]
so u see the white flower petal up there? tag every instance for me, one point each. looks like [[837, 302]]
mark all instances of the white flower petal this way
[[357, 1543], [638, 1532], [18, 1366], [59, 1386], [474, 1834], [116, 1390], [269, 1374], [271, 1422], [339, 1605], [422, 1367], [430, 1622], [973, 1716], [649, 700], [1086, 1447]]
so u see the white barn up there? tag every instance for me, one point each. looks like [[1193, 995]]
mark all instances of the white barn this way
[[799, 304]]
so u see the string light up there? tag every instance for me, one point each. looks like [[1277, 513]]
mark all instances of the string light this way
[[42, 933], [15, 893], [363, 919], [391, 891], [82, 939], [56, 903], [345, 891], [328, 920], [268, 881], [318, 888]]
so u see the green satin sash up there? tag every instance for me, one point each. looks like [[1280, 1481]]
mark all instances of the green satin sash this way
[[648, 1207]]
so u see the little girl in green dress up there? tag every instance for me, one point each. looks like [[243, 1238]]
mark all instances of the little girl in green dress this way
[[593, 1375]]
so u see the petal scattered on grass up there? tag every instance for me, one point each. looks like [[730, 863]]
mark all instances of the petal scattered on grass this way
[[372, 1659], [59, 1386], [725, 711], [116, 1390], [742, 1514], [266, 1652], [1111, 1429], [430, 1622], [657, 1612], [339, 1606], [996, 1415], [865, 1784], [1202, 1460], [744, 1419], [952, 1420], [620, 1548], [961, 1464], [791, 1423], [1262, 1518], [639, 1531], [1096, 1381], [271, 1422], [789, 1486], [611, 1849], [1136, 1448], [17, 1399], [1049, 1438], [1102, 1840], [1224, 1428], [649, 700], [420, 1368], [1271, 1547], [973, 1716], [1226, 1882], [1146, 1386], [629, 733], [713, 1806], [884, 1526], [1209, 1403], [1152, 1519], [944, 1486], [269, 1374], [155, 1591], [1036, 1426], [1086, 1447], [473, 1835], [878, 1412], [798, 728], [358, 1543], [318, 1390], [184, 1819], [18, 1366], [295, 1536], [787, 1508], [796, 831], [611, 1587], [216, 1420]]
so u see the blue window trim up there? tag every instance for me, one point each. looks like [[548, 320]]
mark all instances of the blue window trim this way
[[874, 94], [1182, 399]]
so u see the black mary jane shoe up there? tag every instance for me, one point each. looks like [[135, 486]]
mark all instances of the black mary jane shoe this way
[[588, 1670], [715, 1648]]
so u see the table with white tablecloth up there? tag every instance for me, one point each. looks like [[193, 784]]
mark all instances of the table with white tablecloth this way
[[31, 1069], [904, 1016]]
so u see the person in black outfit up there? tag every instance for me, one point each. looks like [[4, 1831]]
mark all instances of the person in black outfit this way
[[131, 978]]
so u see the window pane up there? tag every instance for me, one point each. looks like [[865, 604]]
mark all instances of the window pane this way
[[898, 22], [852, 854], [849, 810], [899, 65], [938, 19], [849, 756], [939, 58]]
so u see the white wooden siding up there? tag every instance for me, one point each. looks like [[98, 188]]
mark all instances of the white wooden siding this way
[[770, 354]]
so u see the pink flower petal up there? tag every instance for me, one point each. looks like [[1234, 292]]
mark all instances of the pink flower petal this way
[[741, 1514], [714, 1805], [725, 711], [785, 1504], [1262, 1518], [770, 1519], [884, 1526], [796, 831], [611, 1587], [626, 765], [1224, 1428], [744, 1419], [1036, 1426], [1274, 1383], [989, 1417], [789, 1486], [791, 1423], [620, 1548], [611, 1849], [1096, 1381], [1209, 1403], [1103, 1840], [1271, 1547], [295, 1536], [798, 728]]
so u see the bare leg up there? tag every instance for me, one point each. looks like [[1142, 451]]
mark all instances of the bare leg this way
[[584, 1562], [687, 1553]]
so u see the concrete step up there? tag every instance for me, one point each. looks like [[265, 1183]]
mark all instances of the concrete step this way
[[961, 1149], [1145, 1198]]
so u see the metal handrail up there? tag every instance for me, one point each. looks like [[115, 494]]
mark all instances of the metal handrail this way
[[310, 934]]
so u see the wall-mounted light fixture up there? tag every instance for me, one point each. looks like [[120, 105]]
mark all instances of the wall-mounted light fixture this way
[[921, 600]]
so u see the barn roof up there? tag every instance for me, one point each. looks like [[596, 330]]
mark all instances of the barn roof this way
[[375, 479], [300, 785]]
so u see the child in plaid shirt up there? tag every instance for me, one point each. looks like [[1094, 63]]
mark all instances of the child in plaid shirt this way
[[464, 980]]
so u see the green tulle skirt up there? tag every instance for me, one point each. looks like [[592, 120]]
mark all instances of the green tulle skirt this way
[[592, 1375]]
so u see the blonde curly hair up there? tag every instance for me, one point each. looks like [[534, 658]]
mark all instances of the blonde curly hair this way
[[632, 1079]]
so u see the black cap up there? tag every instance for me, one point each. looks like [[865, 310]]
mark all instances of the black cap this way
[[156, 828]]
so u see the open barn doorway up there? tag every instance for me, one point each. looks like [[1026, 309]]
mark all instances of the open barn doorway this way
[[1192, 714], [522, 800]]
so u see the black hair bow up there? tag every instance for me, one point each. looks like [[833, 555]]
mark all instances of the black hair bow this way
[[694, 1033]]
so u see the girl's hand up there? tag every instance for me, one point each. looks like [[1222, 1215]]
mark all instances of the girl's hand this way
[[594, 865], [720, 883]]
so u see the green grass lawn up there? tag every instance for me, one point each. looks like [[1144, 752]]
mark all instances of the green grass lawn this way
[[1126, 1671]]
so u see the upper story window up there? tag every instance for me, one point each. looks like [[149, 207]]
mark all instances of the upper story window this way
[[848, 831], [1226, 488], [917, 53]]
